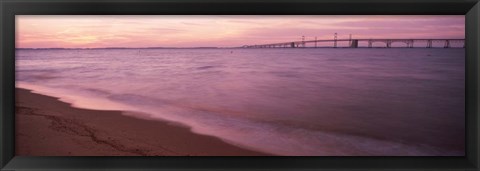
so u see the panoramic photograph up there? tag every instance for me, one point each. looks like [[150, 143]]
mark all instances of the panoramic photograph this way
[[240, 85]]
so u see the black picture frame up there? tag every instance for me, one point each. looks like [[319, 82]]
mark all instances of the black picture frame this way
[[10, 8]]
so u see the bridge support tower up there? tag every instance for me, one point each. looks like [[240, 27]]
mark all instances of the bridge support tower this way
[[429, 43], [389, 44], [447, 44], [354, 44]]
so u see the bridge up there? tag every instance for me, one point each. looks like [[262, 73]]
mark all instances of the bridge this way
[[354, 43]]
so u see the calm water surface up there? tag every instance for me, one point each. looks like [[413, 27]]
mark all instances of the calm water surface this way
[[282, 101]]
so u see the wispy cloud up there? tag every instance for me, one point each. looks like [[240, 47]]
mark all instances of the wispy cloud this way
[[186, 31]]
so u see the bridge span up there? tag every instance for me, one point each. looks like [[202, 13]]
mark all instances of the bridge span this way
[[354, 43]]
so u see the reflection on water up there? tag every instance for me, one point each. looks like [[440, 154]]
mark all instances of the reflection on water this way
[[283, 101]]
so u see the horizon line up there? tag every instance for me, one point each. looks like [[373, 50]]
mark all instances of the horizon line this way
[[220, 47], [131, 48]]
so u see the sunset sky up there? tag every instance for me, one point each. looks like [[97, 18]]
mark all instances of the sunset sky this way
[[221, 31]]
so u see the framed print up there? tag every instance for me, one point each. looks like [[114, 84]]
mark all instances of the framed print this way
[[239, 85]]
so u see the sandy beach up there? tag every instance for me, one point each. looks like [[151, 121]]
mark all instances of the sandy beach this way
[[46, 126]]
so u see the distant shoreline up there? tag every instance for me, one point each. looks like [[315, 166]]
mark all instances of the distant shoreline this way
[[124, 48], [232, 48]]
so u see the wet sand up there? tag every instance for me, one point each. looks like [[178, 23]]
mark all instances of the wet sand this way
[[46, 126]]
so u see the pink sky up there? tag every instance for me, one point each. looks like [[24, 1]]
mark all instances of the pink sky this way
[[221, 31]]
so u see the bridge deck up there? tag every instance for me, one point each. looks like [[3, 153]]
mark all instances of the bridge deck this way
[[354, 42]]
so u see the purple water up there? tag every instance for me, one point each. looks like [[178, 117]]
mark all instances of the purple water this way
[[320, 102]]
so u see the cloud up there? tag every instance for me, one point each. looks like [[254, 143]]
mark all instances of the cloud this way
[[138, 31], [167, 30], [404, 23], [192, 24]]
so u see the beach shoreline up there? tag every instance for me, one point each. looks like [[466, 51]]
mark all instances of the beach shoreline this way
[[46, 126]]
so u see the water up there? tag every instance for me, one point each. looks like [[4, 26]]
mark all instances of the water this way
[[319, 102]]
